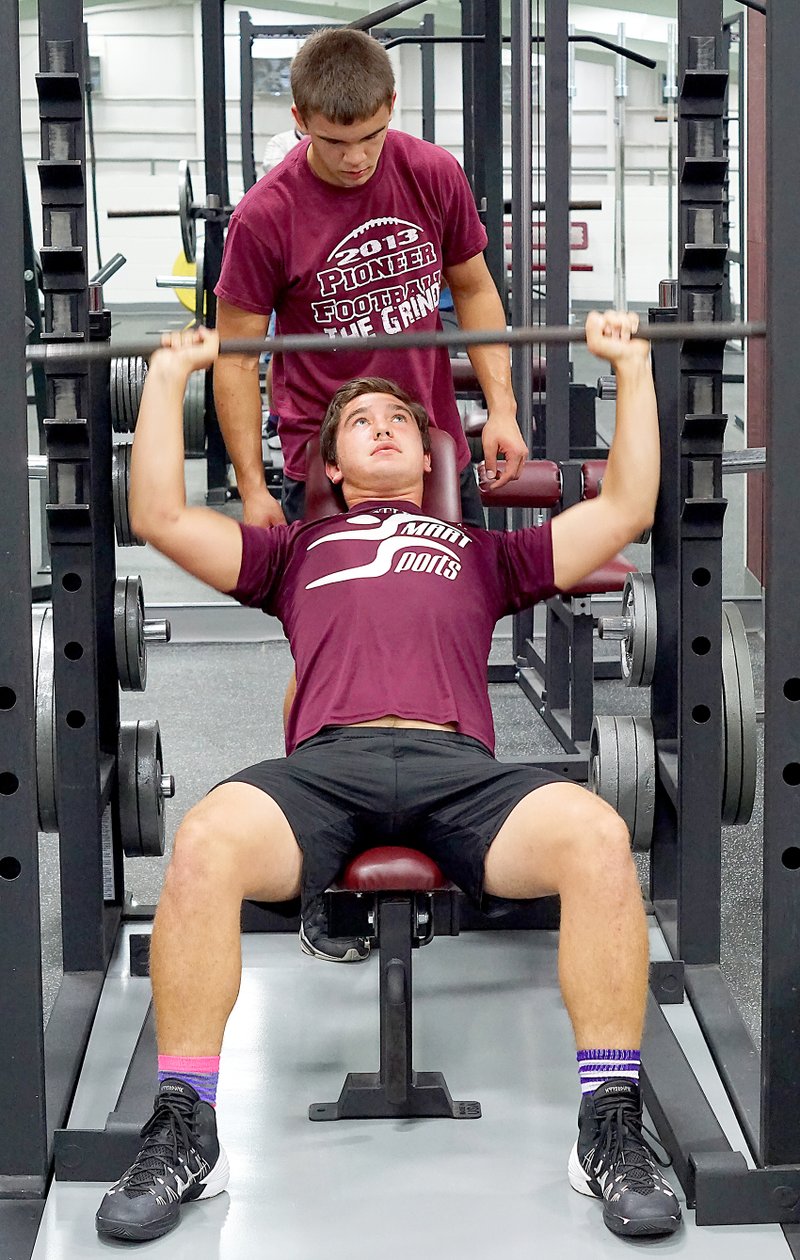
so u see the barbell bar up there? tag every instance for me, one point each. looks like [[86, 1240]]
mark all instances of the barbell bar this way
[[318, 343]]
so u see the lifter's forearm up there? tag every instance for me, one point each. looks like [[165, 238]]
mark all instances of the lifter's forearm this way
[[237, 395], [157, 489], [634, 461]]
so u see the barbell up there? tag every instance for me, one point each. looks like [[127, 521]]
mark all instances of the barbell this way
[[318, 343]]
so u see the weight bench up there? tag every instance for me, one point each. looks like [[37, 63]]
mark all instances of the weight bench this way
[[400, 899]]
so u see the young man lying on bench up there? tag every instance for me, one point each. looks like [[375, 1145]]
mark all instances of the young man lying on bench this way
[[389, 614]]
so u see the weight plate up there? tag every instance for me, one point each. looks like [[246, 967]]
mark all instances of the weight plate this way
[[194, 416], [130, 407], [139, 378], [129, 639], [622, 769], [126, 790], [44, 701], [642, 829], [116, 419], [121, 480], [141, 799], [120, 496], [739, 721], [185, 206], [604, 760], [638, 650]]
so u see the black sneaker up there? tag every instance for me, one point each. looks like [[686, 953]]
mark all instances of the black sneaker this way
[[611, 1160], [181, 1159], [314, 939]]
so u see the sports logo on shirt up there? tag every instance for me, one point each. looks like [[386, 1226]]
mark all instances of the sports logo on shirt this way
[[403, 543], [382, 277]]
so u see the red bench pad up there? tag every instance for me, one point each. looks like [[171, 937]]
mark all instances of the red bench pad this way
[[392, 869], [538, 485]]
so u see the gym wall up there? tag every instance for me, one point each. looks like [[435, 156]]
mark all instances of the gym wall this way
[[148, 115]]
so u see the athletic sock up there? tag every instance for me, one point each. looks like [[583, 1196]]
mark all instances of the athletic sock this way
[[199, 1072], [596, 1066]]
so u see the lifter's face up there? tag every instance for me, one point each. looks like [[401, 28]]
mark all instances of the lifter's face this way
[[346, 156], [379, 451]]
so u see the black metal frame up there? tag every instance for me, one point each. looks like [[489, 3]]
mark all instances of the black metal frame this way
[[41, 1067], [685, 698], [216, 163]]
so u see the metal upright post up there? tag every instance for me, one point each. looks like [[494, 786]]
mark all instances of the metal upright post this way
[[780, 1012], [246, 98], [702, 80], [557, 434], [471, 54], [522, 208], [23, 1142], [557, 151], [620, 96], [80, 516], [427, 56], [671, 93], [216, 153], [490, 139]]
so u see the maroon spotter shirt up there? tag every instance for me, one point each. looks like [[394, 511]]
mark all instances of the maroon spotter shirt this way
[[354, 261], [388, 610]]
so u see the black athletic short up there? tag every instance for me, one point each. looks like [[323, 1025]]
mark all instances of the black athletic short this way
[[354, 788], [293, 499]]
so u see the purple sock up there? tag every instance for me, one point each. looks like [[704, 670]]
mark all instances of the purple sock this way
[[200, 1072], [596, 1066]]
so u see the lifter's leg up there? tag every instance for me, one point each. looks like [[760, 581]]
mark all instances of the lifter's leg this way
[[236, 843], [562, 839]]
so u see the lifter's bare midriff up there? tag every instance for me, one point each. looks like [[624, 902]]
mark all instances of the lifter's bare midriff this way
[[391, 719]]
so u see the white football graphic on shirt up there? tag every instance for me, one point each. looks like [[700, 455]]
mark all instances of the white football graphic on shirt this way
[[362, 229]]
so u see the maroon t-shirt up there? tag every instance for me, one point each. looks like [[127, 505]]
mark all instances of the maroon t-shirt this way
[[388, 610], [354, 261]]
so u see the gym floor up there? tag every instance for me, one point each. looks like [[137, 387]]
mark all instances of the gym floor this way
[[487, 1011]]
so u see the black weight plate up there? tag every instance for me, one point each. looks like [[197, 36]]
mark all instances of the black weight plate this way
[[642, 830], [116, 419], [117, 473], [739, 719], [150, 799], [604, 768], [127, 793], [185, 206], [120, 645], [194, 419], [136, 648]]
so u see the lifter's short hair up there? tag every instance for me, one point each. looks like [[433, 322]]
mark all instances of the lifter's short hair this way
[[342, 74], [354, 389]]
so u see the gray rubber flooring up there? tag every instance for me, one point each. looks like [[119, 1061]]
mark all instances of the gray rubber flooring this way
[[487, 1014]]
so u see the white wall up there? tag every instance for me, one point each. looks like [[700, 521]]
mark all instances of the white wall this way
[[149, 115]]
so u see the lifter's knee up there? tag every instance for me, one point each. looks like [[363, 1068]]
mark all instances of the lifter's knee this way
[[598, 851], [202, 858]]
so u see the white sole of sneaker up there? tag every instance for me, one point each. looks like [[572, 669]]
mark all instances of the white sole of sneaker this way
[[352, 956], [578, 1177]]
